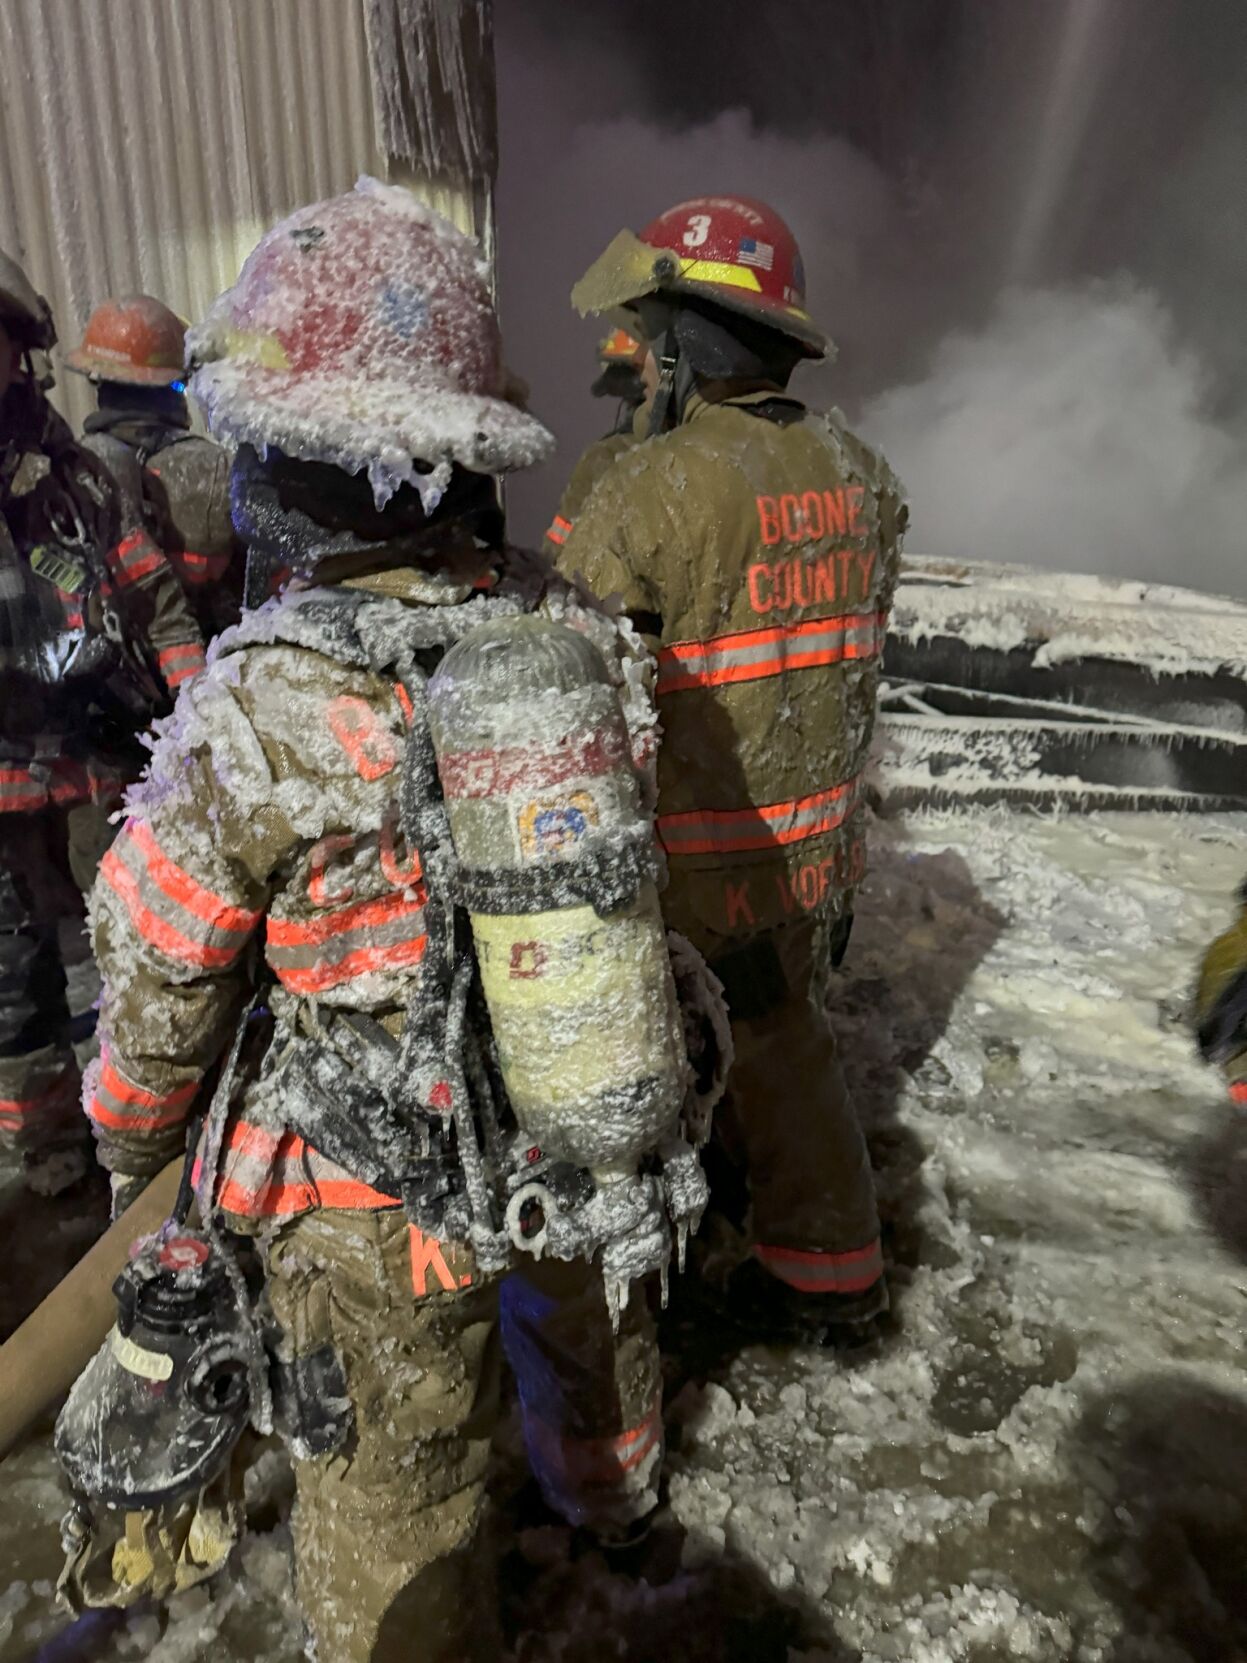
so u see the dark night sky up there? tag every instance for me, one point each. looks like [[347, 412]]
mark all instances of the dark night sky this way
[[998, 203]]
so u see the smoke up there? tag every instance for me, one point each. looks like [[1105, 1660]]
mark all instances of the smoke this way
[[1072, 433], [1025, 228]]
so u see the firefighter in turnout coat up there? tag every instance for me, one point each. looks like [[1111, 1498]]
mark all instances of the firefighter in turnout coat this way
[[266, 843], [756, 544], [174, 481], [95, 637], [621, 357]]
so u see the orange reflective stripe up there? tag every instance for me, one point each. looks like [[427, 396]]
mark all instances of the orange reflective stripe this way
[[277, 1200], [288, 1176], [135, 557], [1238, 1091], [364, 961], [286, 932], [169, 940], [188, 892], [774, 825], [559, 529], [19, 791], [352, 1192], [16, 1111], [597, 1463], [179, 664], [751, 655], [196, 568], [169, 909], [815, 1272], [122, 1107]]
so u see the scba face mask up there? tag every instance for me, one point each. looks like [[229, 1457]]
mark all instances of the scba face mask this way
[[156, 1413]]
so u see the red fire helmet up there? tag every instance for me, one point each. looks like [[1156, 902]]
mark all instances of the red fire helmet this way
[[728, 249], [361, 332], [136, 339]]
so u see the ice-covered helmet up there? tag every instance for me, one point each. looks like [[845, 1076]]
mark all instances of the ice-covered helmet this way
[[727, 250], [137, 340], [361, 332], [24, 312]]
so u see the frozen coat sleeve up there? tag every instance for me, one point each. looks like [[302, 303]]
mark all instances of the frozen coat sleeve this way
[[156, 606], [615, 545], [175, 912]]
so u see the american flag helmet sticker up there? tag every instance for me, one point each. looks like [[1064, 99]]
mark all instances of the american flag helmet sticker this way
[[753, 253]]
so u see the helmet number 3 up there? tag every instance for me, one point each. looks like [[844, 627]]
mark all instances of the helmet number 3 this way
[[698, 230]]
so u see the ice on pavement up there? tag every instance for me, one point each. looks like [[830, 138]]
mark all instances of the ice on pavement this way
[[1045, 1458]]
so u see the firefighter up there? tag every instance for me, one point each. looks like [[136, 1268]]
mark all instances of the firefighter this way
[[621, 357], [273, 838], [94, 637], [1221, 1003], [755, 543], [133, 350]]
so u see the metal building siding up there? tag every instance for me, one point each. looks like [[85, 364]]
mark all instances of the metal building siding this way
[[146, 144]]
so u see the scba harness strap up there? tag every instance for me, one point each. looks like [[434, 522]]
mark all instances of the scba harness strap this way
[[416, 1117]]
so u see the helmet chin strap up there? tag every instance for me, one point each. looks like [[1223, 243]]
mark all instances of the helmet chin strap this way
[[661, 412]]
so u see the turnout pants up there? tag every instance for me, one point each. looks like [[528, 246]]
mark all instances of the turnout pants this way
[[787, 1118], [386, 1530], [39, 1080]]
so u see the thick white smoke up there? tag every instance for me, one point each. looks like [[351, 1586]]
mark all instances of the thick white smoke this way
[[1071, 432], [1072, 426]]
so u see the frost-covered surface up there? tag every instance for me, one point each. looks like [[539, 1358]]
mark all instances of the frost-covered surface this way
[[1046, 1456], [1064, 616], [923, 755], [361, 332]]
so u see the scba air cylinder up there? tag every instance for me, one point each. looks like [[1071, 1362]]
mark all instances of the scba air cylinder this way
[[556, 866]]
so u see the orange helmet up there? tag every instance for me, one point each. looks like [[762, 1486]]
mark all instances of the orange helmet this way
[[136, 340], [727, 249]]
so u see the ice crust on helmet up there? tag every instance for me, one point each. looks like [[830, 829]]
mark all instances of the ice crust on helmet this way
[[415, 378]]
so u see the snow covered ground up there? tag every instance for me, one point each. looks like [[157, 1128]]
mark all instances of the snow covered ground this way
[[1045, 1457]]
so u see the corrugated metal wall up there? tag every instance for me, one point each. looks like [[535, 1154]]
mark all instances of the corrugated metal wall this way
[[146, 144]]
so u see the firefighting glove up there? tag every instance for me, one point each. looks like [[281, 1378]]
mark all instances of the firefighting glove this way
[[1221, 999]]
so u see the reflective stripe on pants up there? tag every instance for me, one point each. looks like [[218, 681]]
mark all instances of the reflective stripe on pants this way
[[590, 1397]]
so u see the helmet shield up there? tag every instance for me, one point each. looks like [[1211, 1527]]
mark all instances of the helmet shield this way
[[624, 271]]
